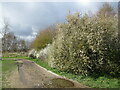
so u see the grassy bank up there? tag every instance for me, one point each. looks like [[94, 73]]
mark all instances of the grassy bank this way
[[91, 81]]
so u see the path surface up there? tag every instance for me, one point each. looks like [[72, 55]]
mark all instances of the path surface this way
[[30, 75]]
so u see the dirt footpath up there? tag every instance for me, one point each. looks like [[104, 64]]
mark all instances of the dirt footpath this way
[[30, 75]]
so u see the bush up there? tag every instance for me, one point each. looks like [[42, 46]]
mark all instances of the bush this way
[[40, 54], [87, 45], [31, 53]]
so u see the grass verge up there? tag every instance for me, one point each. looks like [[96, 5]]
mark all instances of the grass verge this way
[[91, 81], [18, 57], [7, 67]]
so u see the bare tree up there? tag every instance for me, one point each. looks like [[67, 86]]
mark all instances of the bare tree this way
[[4, 31], [10, 42], [6, 27]]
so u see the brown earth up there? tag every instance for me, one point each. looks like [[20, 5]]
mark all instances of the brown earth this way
[[30, 75]]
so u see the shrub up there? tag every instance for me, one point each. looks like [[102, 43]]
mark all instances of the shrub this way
[[31, 53], [87, 45], [40, 54]]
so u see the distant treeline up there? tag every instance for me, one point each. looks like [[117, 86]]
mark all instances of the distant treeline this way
[[10, 42]]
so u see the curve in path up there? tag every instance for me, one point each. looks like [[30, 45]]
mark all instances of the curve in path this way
[[30, 75]]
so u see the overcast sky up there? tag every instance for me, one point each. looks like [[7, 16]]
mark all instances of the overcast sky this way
[[26, 18]]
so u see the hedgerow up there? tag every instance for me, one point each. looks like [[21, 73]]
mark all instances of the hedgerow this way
[[87, 45]]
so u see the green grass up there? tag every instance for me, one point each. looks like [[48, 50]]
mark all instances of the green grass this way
[[41, 63], [18, 57], [8, 65], [91, 81]]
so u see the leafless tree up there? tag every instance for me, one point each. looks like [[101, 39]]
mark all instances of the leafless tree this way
[[4, 31], [10, 42], [6, 27]]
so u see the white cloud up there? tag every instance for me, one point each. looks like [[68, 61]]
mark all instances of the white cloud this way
[[27, 38], [34, 31]]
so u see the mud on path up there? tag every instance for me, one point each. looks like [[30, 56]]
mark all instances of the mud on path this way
[[30, 75]]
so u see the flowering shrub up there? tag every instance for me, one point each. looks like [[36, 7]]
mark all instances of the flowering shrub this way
[[43, 53], [31, 53], [86, 45], [40, 54]]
